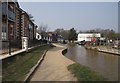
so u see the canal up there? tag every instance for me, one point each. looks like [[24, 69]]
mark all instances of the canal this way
[[103, 63]]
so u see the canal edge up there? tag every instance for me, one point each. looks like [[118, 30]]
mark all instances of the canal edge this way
[[64, 51], [34, 68], [104, 51]]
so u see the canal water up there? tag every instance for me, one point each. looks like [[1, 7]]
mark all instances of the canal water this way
[[103, 63]]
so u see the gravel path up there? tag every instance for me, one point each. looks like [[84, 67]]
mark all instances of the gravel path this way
[[54, 67]]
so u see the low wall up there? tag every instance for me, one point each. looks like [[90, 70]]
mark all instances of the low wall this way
[[104, 49], [34, 68], [64, 51], [111, 51]]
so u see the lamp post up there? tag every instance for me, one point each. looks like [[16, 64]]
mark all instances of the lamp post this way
[[10, 43], [9, 46]]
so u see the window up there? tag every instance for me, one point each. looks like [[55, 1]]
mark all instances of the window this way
[[4, 8], [4, 36], [4, 31]]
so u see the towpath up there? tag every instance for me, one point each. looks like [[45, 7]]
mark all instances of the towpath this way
[[54, 67]]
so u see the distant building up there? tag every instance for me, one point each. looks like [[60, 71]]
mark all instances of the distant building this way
[[54, 37], [60, 38], [88, 36]]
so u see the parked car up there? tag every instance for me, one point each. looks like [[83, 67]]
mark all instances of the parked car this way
[[82, 42]]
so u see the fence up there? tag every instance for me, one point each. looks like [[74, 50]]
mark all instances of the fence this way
[[17, 45], [35, 42], [13, 45]]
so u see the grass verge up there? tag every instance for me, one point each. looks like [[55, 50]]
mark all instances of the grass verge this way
[[16, 68], [84, 73]]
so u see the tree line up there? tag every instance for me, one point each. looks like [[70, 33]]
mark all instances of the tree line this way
[[71, 34]]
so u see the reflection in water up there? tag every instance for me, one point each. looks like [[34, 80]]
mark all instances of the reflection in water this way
[[104, 63]]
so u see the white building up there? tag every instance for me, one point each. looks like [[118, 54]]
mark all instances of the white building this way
[[88, 36]]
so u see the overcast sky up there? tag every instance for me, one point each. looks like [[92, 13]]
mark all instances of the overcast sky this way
[[80, 15]]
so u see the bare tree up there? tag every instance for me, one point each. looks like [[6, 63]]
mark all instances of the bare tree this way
[[43, 28], [62, 32]]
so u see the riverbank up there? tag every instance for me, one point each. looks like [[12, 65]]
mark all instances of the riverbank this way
[[104, 63], [84, 73], [54, 66], [105, 49], [17, 67]]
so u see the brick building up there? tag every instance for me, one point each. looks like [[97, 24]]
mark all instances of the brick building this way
[[28, 27], [9, 22], [15, 24], [18, 23], [25, 24]]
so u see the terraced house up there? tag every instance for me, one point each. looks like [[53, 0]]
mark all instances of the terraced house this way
[[16, 23]]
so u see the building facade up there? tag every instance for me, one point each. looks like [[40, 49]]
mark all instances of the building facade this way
[[9, 38], [25, 24], [18, 23], [28, 27], [31, 30], [15, 24]]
